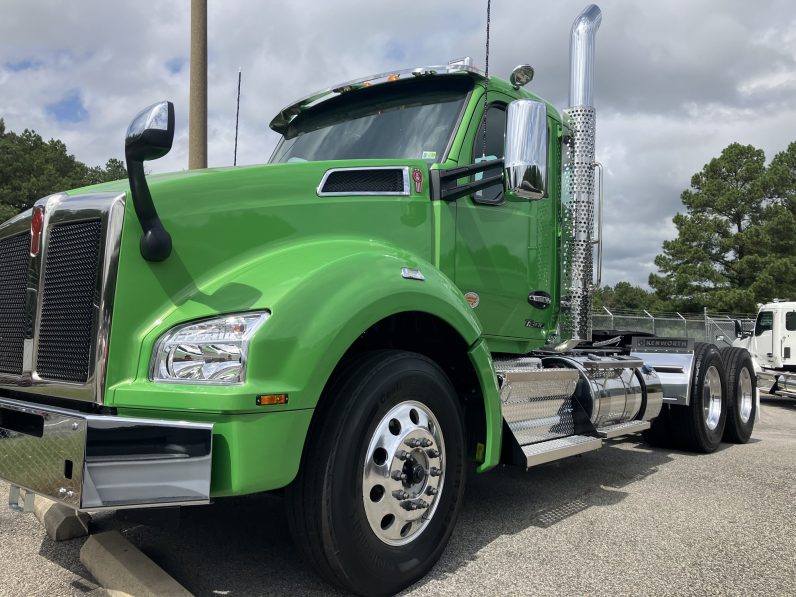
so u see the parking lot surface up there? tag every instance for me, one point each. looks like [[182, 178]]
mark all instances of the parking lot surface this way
[[624, 520]]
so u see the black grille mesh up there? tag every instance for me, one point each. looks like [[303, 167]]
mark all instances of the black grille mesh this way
[[14, 253], [68, 299], [388, 180]]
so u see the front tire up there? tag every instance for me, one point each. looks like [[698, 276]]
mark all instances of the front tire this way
[[382, 475], [700, 425], [741, 384]]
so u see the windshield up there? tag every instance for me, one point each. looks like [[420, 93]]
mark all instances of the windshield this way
[[406, 120]]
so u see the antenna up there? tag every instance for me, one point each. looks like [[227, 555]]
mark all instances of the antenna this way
[[486, 59], [237, 120]]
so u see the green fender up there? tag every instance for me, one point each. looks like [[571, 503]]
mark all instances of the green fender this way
[[323, 294]]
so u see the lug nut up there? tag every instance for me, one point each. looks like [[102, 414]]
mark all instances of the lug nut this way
[[434, 471], [431, 490], [402, 454], [432, 453], [409, 506], [421, 504], [413, 442], [400, 495], [398, 476], [425, 443]]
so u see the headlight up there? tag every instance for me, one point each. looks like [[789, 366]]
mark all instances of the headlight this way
[[212, 351]]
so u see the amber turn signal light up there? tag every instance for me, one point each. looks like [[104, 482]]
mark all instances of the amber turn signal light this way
[[271, 399]]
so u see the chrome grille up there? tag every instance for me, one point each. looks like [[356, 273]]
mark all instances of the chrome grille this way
[[70, 293], [14, 254], [55, 306]]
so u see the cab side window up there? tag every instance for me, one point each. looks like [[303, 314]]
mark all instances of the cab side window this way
[[765, 322], [495, 124], [790, 321]]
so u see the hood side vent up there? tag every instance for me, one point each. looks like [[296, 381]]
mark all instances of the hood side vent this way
[[365, 181]]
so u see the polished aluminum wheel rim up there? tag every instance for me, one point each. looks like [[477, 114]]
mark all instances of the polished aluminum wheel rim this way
[[712, 398], [403, 473], [745, 395]]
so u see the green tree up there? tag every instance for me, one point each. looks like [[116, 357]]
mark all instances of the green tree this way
[[31, 168], [625, 296], [724, 256]]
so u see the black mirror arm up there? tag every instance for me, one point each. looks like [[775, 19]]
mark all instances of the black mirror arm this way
[[155, 240]]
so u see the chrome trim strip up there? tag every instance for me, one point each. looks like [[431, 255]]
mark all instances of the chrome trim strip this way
[[60, 209], [404, 172], [93, 462]]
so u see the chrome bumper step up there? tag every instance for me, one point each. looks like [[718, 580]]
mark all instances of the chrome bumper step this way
[[623, 429], [91, 462], [559, 448]]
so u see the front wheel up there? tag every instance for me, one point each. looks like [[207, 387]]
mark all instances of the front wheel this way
[[382, 476]]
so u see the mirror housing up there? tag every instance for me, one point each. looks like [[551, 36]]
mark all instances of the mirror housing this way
[[526, 149], [149, 137], [740, 332], [150, 133], [521, 75]]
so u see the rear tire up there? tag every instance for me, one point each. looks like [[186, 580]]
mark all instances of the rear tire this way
[[741, 384], [388, 412], [700, 425]]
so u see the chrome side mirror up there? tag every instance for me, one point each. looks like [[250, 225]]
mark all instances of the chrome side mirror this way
[[151, 132], [149, 137], [526, 149]]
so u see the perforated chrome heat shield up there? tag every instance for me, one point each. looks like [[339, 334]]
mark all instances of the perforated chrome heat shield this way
[[578, 222]]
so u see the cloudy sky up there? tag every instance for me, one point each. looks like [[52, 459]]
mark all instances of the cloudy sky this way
[[677, 80]]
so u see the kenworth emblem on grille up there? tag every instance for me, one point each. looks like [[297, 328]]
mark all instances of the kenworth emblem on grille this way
[[36, 225]]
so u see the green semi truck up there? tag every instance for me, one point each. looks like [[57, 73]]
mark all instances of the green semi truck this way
[[400, 297]]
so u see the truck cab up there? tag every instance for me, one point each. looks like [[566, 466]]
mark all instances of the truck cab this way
[[772, 344]]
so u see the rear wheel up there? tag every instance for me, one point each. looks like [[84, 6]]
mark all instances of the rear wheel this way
[[741, 384], [700, 425], [382, 477]]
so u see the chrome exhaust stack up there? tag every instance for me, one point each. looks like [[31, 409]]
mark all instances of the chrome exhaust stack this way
[[578, 201]]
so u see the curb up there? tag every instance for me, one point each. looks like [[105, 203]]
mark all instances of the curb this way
[[59, 521], [121, 568]]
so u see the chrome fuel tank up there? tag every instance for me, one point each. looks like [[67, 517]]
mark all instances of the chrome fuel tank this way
[[613, 389]]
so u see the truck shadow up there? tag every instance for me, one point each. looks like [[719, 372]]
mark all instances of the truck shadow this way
[[787, 403], [242, 546]]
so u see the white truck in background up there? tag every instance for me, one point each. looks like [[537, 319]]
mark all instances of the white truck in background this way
[[772, 345]]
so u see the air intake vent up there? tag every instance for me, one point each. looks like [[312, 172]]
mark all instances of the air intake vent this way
[[14, 254], [365, 181], [68, 301]]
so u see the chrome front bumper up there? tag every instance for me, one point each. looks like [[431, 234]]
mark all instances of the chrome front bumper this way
[[91, 462]]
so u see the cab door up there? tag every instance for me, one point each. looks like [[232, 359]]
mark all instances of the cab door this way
[[498, 242], [764, 338]]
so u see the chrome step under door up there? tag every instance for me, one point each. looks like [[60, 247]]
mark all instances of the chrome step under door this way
[[540, 412]]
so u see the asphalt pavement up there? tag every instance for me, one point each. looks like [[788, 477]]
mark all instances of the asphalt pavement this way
[[624, 520]]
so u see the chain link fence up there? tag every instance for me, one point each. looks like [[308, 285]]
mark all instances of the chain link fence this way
[[718, 328]]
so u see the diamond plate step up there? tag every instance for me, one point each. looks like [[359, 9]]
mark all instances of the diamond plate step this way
[[559, 448], [623, 429]]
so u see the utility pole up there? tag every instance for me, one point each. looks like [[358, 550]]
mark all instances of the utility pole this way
[[197, 113]]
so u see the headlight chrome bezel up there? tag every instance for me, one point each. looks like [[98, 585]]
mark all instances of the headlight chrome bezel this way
[[166, 343]]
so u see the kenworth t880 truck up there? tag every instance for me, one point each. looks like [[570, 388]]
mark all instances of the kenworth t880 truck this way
[[401, 294]]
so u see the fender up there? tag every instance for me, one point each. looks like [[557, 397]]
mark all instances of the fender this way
[[323, 294]]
